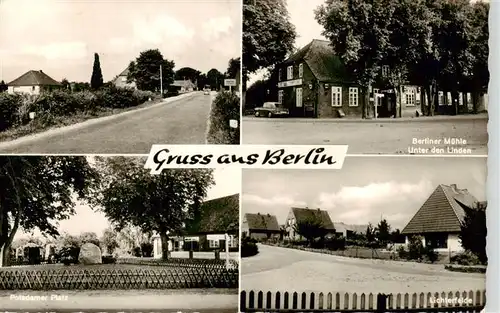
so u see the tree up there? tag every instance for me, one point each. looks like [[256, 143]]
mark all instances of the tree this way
[[370, 234], [187, 73], [96, 81], [268, 35], [38, 190], [3, 86], [202, 81], [89, 237], [109, 240], [311, 228], [131, 237], [215, 79], [145, 71], [233, 67], [161, 203], [383, 232], [473, 233], [65, 84]]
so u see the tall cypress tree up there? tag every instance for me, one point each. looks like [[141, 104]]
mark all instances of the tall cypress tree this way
[[96, 81]]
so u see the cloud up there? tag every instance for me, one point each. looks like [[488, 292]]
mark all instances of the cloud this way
[[216, 27], [58, 50], [274, 201], [160, 29], [363, 204]]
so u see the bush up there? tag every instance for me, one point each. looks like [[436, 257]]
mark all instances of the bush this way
[[225, 107], [402, 253], [465, 258], [137, 252], [147, 249], [108, 259], [415, 248], [430, 254], [248, 247], [336, 243], [9, 105]]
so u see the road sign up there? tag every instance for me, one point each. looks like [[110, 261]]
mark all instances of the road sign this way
[[233, 123], [230, 82]]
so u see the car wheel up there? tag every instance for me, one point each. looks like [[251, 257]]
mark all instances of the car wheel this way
[[269, 114], [257, 114]]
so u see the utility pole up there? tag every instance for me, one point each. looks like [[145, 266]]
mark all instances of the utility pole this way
[[161, 81]]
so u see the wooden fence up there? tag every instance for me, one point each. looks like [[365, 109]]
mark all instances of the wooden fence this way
[[119, 278], [258, 301]]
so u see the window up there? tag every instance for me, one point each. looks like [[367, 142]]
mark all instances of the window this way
[[279, 75], [301, 70], [353, 97], [410, 96], [440, 98], [378, 100], [336, 96], [213, 243], [124, 79], [298, 97], [437, 241], [385, 70], [460, 99], [289, 72], [280, 96], [448, 98]]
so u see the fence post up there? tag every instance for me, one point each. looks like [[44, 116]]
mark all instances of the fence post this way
[[381, 303], [190, 254]]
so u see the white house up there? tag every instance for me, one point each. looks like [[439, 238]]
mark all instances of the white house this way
[[438, 220], [33, 83], [121, 80], [299, 215]]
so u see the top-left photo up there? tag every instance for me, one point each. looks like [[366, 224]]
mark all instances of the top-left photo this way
[[115, 77]]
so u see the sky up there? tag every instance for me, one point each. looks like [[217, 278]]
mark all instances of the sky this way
[[365, 190], [227, 182], [61, 37]]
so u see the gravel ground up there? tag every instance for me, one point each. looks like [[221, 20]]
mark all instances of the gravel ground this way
[[291, 270], [389, 136]]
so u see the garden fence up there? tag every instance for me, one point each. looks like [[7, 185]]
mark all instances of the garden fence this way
[[258, 301], [181, 262], [68, 278]]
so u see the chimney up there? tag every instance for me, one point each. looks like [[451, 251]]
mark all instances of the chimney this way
[[40, 71], [454, 187]]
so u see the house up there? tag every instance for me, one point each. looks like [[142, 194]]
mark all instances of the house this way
[[121, 80], [183, 86], [313, 82], [438, 220], [33, 83], [347, 231], [260, 226], [216, 224], [300, 215]]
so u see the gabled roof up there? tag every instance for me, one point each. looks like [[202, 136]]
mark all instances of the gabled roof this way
[[443, 211], [262, 222], [34, 78], [125, 72], [321, 59], [303, 214], [219, 215], [182, 83], [341, 227]]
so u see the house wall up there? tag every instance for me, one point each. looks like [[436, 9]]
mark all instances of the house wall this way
[[453, 243], [263, 235], [33, 90], [325, 102], [121, 82]]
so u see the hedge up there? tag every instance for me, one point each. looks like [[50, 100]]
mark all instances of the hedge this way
[[15, 108], [225, 107]]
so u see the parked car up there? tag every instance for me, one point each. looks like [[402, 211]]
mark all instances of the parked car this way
[[271, 109], [206, 91]]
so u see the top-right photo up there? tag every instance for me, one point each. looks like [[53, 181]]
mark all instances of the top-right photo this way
[[382, 76]]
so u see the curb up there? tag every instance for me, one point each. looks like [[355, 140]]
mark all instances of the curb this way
[[90, 122]]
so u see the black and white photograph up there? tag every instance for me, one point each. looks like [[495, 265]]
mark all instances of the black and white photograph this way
[[118, 76], [101, 233], [384, 77], [380, 234]]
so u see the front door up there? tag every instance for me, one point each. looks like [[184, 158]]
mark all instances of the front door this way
[[298, 97], [222, 245]]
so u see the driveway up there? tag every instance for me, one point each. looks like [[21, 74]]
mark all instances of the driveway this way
[[182, 120], [387, 136], [202, 301], [282, 269]]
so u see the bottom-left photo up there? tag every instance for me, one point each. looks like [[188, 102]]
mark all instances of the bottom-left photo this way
[[101, 233]]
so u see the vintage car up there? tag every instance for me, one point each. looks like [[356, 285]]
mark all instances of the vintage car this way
[[271, 109]]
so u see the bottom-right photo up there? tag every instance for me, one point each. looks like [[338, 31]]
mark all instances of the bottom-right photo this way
[[383, 234]]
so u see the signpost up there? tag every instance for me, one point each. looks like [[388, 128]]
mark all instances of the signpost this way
[[230, 82], [161, 82], [227, 251]]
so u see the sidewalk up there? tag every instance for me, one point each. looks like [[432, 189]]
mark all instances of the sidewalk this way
[[217, 300], [435, 118]]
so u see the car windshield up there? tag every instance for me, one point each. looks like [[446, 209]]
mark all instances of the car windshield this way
[[269, 105]]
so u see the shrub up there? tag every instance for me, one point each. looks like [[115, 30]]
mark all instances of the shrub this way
[[225, 107], [108, 259], [402, 253], [137, 252], [248, 247], [336, 243], [465, 258], [430, 254], [9, 105], [415, 248], [147, 249]]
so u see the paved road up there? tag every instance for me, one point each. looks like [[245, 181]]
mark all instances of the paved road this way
[[181, 121], [281, 269], [186, 301], [392, 136]]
